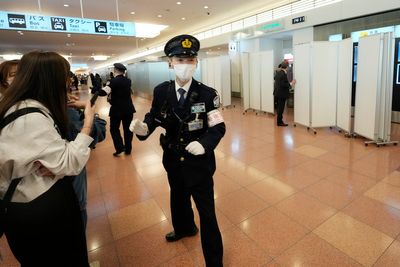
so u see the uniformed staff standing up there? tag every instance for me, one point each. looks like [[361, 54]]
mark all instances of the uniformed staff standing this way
[[188, 111], [121, 109]]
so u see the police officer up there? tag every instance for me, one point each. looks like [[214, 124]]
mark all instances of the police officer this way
[[188, 111], [121, 109]]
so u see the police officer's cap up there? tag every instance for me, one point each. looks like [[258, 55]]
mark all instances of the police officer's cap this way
[[182, 45], [119, 66]]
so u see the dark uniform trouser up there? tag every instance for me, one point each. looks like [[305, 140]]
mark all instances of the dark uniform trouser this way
[[183, 218], [279, 110], [115, 122]]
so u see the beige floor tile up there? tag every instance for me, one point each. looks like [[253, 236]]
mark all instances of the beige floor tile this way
[[391, 257], [240, 205], [105, 255], [314, 251], [98, 233], [126, 196], [331, 194], [149, 247], [297, 177], [240, 250], [246, 176], [358, 240], [273, 231], [305, 210], [319, 168], [385, 193], [376, 214], [352, 181], [134, 218], [311, 151], [393, 178], [224, 185], [271, 190]]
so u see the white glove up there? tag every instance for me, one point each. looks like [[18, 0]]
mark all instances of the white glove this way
[[195, 148], [138, 127]]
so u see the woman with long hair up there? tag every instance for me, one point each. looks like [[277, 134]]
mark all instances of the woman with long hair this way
[[8, 69], [42, 222]]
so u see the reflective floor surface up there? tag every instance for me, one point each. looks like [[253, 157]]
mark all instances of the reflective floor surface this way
[[284, 197]]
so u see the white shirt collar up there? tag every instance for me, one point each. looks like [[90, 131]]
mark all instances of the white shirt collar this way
[[185, 87]]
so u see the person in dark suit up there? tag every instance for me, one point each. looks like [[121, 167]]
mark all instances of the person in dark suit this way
[[281, 91], [121, 110], [188, 111]]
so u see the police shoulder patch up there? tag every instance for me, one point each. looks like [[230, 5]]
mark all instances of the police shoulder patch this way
[[216, 101]]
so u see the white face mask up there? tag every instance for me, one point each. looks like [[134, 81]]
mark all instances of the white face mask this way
[[184, 71]]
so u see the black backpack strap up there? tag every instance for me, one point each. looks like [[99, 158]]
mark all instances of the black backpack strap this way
[[18, 113], [10, 191]]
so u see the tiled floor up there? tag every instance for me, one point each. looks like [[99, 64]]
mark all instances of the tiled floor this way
[[284, 197]]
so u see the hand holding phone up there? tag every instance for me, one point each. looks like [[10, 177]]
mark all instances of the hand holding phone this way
[[94, 98]]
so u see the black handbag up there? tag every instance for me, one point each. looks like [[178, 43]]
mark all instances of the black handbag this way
[[13, 185]]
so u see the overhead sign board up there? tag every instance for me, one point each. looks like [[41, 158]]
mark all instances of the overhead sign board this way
[[299, 20], [30, 22], [273, 26]]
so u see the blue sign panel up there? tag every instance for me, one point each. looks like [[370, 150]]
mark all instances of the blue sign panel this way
[[30, 22]]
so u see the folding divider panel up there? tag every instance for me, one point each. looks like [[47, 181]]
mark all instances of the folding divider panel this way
[[211, 72], [255, 81], [323, 84], [368, 89], [225, 64], [267, 81], [216, 73], [217, 85], [245, 80], [204, 73], [386, 85], [302, 55], [343, 108]]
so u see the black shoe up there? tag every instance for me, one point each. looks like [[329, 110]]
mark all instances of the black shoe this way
[[282, 124], [127, 152], [116, 153], [172, 236]]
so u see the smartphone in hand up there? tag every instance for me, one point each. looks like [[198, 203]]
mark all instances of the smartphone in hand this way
[[94, 98]]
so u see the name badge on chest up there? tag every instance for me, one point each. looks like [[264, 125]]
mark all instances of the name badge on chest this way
[[195, 125], [198, 108]]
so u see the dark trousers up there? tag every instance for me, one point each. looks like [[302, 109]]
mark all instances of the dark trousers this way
[[48, 231], [279, 109], [115, 122], [183, 218]]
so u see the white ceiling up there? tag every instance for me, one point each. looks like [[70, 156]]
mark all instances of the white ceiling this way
[[146, 11]]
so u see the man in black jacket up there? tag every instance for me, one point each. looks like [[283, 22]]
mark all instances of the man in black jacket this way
[[281, 91], [121, 109], [188, 111]]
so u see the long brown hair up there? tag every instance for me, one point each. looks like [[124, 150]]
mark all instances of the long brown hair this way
[[5, 69], [41, 76]]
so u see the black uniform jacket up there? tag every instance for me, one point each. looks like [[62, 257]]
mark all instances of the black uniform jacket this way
[[184, 125], [121, 101], [281, 85]]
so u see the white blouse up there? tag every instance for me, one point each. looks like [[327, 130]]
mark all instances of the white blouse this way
[[31, 138]]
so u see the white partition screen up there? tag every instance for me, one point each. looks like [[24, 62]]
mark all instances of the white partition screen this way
[[302, 54], [367, 90], [267, 81], [345, 62], [255, 81], [225, 64], [323, 84], [216, 73], [245, 80]]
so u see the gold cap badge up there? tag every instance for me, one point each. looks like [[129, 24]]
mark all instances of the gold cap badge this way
[[186, 44]]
